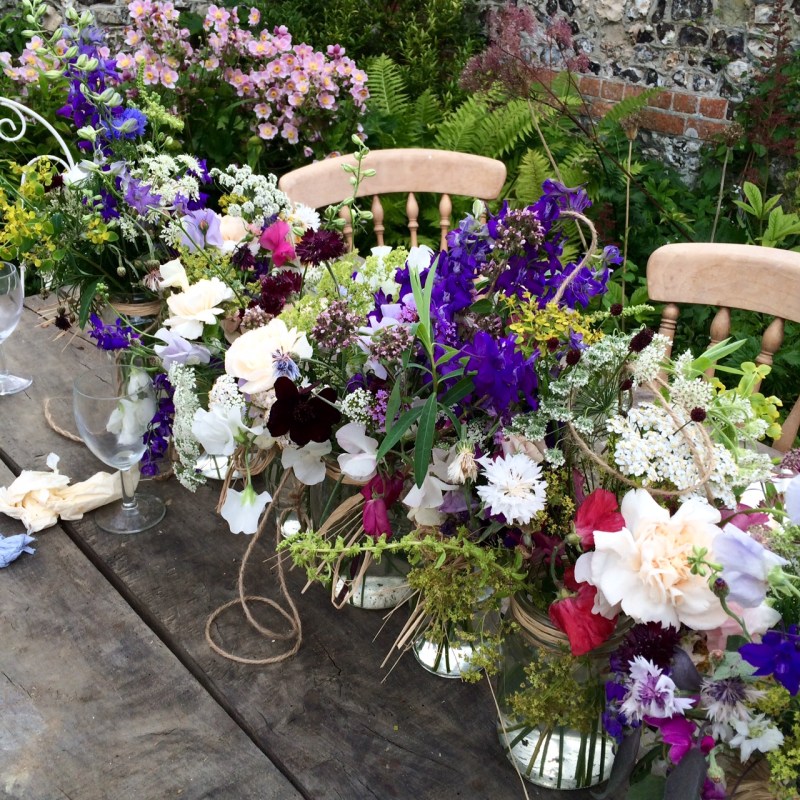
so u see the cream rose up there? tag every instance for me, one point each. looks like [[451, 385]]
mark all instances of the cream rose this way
[[262, 355], [233, 230], [643, 569], [197, 306]]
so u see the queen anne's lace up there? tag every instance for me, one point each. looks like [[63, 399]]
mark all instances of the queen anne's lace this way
[[186, 446]]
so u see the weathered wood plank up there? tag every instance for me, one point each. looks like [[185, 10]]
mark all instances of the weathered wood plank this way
[[335, 720], [94, 706]]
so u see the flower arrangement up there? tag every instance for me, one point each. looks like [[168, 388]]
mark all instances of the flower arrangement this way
[[469, 411]]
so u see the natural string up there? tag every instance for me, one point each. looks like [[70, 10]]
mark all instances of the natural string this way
[[292, 615], [57, 428]]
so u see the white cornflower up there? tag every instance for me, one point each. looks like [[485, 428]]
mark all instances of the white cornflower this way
[[757, 733], [724, 700], [515, 487], [651, 693], [307, 217]]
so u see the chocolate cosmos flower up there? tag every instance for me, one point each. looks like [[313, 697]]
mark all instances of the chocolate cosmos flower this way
[[304, 416]]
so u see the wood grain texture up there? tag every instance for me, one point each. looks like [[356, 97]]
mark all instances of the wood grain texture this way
[[94, 706], [330, 717]]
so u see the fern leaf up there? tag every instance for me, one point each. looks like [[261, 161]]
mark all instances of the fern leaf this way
[[387, 89], [504, 128], [459, 130], [624, 108], [534, 169], [425, 115]]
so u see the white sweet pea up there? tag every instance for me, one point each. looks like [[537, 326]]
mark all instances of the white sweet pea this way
[[419, 257], [217, 429], [241, 510], [358, 462], [197, 306], [77, 175], [173, 275], [307, 461], [423, 501], [129, 420]]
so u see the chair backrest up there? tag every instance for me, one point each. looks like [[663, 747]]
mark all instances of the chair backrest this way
[[410, 170], [762, 279]]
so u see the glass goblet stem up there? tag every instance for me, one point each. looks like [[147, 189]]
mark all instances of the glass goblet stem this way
[[128, 491]]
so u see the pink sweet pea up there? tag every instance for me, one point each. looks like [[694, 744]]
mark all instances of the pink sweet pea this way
[[598, 512], [678, 732], [275, 239], [380, 494]]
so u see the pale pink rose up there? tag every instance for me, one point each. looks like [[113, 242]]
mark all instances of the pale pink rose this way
[[643, 569]]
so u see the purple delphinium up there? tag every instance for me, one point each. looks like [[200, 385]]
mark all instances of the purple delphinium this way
[[501, 371], [111, 337], [777, 654], [159, 430]]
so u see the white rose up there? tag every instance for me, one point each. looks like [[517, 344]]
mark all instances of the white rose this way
[[255, 354], [197, 306]]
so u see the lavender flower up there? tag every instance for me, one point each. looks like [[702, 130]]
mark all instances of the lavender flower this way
[[201, 228], [178, 350]]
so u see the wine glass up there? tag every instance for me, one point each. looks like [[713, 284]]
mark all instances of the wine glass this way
[[113, 406], [12, 294]]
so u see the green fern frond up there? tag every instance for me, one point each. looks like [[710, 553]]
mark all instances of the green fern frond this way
[[534, 169], [502, 130], [460, 129], [624, 108], [387, 88], [425, 115]]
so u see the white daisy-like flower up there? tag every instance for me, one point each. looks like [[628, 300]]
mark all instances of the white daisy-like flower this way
[[515, 489], [305, 216], [757, 733]]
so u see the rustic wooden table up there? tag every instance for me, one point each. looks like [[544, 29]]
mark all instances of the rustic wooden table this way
[[110, 691]]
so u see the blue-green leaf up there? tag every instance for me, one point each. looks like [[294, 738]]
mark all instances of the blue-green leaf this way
[[394, 436]]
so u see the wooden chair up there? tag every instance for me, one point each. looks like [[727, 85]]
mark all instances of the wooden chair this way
[[411, 170], [762, 279]]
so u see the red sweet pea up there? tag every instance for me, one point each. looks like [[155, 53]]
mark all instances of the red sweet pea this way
[[276, 239], [379, 495], [598, 512], [573, 615]]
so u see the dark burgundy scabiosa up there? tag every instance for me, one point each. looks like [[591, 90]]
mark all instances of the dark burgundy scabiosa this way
[[641, 339], [317, 246], [649, 640], [615, 310], [304, 416], [276, 288], [698, 414]]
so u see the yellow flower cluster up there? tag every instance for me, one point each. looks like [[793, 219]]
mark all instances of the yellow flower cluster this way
[[536, 326]]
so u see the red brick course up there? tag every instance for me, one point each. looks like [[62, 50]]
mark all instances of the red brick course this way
[[673, 113]]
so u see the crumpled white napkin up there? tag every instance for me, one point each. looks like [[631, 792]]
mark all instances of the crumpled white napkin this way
[[38, 499]]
